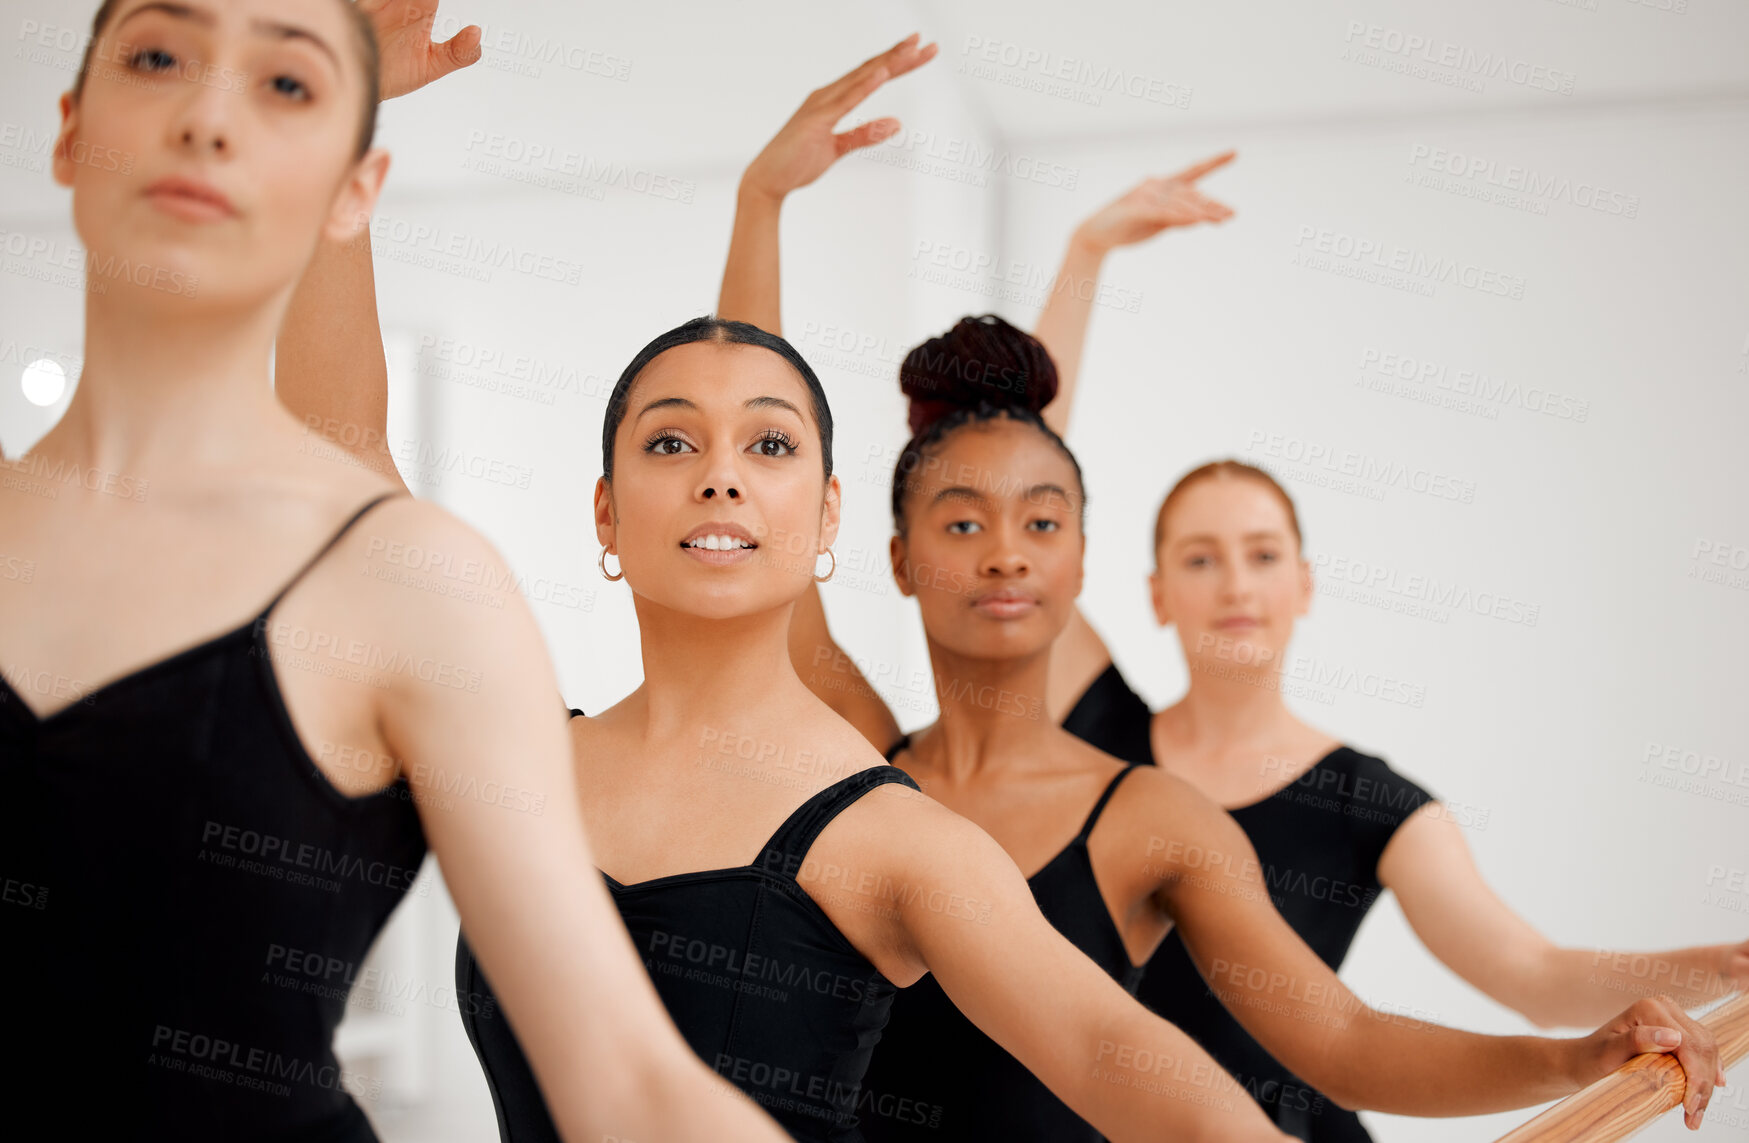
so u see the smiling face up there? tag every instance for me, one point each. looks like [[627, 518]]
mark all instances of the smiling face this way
[[1229, 573], [993, 543], [718, 504], [215, 140]]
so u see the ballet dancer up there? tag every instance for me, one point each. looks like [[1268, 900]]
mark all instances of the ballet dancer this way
[[199, 849]]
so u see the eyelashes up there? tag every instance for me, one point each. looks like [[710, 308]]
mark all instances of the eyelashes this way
[[657, 442], [159, 62]]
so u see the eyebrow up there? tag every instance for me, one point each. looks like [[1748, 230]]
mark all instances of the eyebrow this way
[[750, 403], [963, 492], [1267, 534], [204, 17]]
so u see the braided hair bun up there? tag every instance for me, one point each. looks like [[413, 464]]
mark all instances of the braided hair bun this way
[[980, 361]]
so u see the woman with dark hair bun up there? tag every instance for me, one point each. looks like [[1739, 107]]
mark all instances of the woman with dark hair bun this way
[[988, 511]]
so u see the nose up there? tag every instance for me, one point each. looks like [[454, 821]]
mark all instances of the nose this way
[[721, 477], [202, 125], [1003, 557]]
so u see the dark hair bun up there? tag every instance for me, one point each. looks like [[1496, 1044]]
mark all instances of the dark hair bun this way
[[981, 360]]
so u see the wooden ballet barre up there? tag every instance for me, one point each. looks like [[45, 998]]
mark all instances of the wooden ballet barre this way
[[1632, 1096]]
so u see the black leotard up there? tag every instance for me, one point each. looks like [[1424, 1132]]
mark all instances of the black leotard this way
[[763, 986], [1319, 840], [936, 1076], [188, 899]]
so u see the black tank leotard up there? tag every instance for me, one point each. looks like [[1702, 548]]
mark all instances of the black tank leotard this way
[[936, 1076], [1319, 840], [187, 901], [762, 985]]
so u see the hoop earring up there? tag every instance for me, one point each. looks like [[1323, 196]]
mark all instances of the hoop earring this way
[[602, 562], [830, 574]]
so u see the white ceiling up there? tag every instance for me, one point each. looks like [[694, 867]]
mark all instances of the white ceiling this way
[[707, 82]]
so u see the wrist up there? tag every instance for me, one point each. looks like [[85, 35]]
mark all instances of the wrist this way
[[750, 194], [1083, 246]]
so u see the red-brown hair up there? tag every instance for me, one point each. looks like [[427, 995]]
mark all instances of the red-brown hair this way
[[1229, 469]]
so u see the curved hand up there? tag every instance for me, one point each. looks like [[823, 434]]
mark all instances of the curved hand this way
[[1657, 1024], [408, 59], [1154, 205], [806, 146]]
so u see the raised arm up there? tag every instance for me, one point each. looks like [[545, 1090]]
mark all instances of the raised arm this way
[[1154, 205], [1467, 926], [801, 152], [1211, 883], [329, 368], [963, 911]]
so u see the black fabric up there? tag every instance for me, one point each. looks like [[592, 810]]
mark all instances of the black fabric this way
[[1319, 840], [187, 902], [762, 985], [938, 1077]]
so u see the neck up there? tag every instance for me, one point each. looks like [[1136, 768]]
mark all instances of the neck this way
[[1230, 705], [167, 380], [992, 710], [710, 671]]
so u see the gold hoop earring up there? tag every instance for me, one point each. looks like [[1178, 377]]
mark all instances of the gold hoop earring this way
[[830, 574], [603, 564]]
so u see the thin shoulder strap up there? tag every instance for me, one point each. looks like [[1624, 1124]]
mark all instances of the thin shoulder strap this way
[[326, 548], [789, 845], [893, 750], [1099, 806]]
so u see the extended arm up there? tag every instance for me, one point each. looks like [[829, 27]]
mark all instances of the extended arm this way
[[972, 921], [1467, 926], [478, 714], [1362, 1057]]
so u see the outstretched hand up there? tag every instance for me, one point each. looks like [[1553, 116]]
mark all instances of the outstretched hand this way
[[408, 59], [806, 146], [1155, 205]]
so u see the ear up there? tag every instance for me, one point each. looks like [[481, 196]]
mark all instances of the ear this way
[[1157, 594], [357, 196], [830, 513], [604, 521], [901, 564], [63, 154]]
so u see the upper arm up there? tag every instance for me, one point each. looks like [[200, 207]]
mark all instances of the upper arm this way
[[329, 367], [1454, 912], [471, 712], [1077, 657], [972, 921], [833, 676]]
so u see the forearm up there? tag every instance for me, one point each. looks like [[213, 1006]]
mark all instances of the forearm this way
[[1062, 327], [752, 290], [1581, 988], [1387, 1062], [329, 368], [675, 1097], [1138, 1077]]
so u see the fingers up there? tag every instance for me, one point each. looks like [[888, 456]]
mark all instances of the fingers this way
[[866, 135], [1699, 1057], [461, 49], [854, 87], [1197, 170]]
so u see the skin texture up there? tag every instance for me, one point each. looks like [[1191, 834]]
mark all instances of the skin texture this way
[[750, 292], [174, 398]]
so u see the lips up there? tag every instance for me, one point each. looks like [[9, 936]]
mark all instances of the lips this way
[[719, 536], [1005, 603], [190, 199]]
